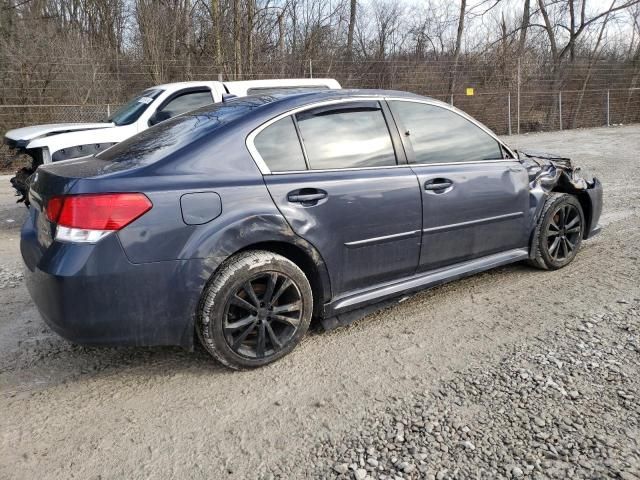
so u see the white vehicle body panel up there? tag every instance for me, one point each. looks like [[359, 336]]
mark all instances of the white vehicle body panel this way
[[241, 88], [29, 133], [54, 138], [84, 137]]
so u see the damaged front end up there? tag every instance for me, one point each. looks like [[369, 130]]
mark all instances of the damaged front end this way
[[20, 181], [551, 173]]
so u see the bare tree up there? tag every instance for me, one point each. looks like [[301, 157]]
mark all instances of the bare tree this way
[[456, 51], [352, 24], [524, 27]]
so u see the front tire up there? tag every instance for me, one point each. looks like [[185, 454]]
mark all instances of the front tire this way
[[559, 232], [255, 310]]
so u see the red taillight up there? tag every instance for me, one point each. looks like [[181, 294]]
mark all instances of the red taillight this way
[[54, 207], [103, 211]]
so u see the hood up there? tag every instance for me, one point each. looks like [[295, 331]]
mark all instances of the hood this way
[[19, 137]]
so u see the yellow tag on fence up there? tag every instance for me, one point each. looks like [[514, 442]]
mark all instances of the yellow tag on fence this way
[[469, 92]]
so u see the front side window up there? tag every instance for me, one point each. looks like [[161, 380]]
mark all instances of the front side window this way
[[186, 103], [438, 135], [349, 135], [279, 146]]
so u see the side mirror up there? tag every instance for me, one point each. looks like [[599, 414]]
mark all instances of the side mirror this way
[[159, 116]]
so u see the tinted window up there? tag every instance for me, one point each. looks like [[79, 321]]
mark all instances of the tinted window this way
[[439, 135], [279, 146], [346, 136], [187, 102]]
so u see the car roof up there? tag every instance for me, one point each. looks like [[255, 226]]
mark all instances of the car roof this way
[[319, 95], [264, 107], [281, 102], [179, 85]]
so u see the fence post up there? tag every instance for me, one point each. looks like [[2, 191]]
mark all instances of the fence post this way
[[509, 110], [518, 99], [310, 68], [608, 112], [560, 108], [108, 110], [451, 100]]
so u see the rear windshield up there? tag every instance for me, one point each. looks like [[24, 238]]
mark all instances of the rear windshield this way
[[171, 135]]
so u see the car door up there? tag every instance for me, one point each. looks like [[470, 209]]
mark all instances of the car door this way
[[474, 194], [333, 174]]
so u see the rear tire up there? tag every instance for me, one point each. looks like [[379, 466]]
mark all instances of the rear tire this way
[[559, 232], [255, 310]]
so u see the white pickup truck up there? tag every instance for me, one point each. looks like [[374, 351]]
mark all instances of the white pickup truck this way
[[63, 141]]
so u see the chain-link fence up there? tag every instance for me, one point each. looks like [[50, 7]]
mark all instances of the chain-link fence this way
[[509, 97]]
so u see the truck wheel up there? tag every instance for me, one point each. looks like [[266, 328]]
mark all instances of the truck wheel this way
[[255, 310], [559, 232]]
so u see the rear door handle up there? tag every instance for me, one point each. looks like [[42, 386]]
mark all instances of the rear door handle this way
[[438, 184], [306, 196]]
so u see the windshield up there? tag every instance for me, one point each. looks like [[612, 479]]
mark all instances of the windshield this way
[[131, 111], [169, 136]]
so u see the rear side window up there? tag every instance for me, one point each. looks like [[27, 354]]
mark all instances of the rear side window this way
[[438, 135], [346, 136], [279, 146]]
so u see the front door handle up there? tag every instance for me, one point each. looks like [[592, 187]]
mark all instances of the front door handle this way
[[438, 184], [306, 196]]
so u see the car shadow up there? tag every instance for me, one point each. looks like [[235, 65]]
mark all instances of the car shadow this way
[[46, 360]]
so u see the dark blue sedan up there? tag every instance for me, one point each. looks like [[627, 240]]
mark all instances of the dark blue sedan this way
[[240, 222]]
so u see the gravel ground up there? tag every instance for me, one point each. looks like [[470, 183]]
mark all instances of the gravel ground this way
[[563, 405], [511, 373]]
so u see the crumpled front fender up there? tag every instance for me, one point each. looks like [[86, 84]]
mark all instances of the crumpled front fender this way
[[553, 173]]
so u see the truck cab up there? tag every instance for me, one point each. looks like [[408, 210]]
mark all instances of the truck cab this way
[[63, 141]]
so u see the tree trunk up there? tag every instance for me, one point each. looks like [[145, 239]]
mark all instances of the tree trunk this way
[[217, 36], [572, 31], [524, 27], [352, 24], [250, 21], [456, 52], [281, 52], [237, 53]]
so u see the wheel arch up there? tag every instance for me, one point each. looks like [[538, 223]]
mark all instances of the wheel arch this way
[[585, 202], [267, 231], [308, 260]]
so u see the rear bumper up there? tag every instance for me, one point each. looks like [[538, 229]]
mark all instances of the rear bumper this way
[[92, 294]]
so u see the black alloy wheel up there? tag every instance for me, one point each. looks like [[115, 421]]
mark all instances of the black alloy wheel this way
[[255, 309], [263, 315], [558, 233], [564, 232]]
